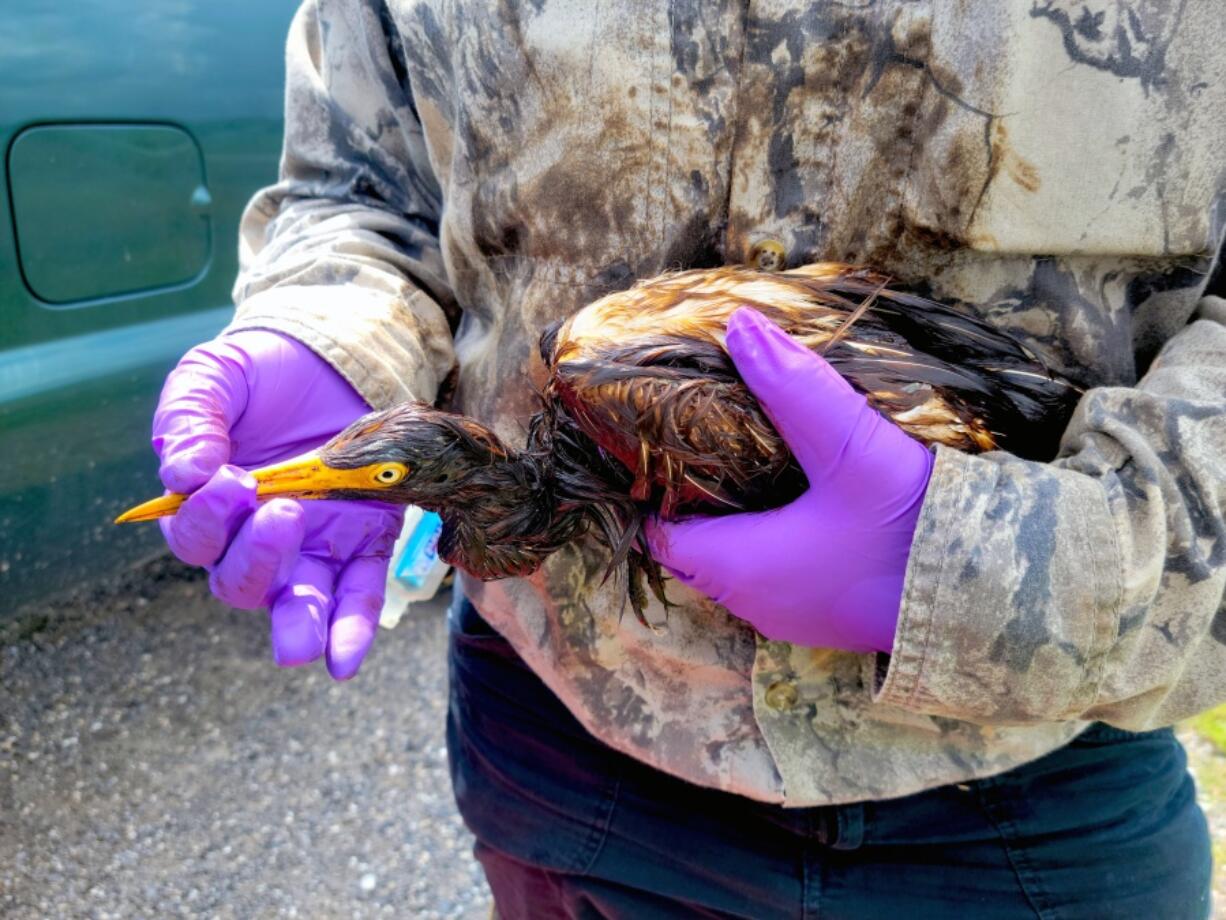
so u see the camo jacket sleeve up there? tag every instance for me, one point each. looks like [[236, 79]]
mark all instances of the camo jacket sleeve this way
[[343, 252], [1090, 587]]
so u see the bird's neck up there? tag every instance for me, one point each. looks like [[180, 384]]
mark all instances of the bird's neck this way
[[503, 519], [505, 511]]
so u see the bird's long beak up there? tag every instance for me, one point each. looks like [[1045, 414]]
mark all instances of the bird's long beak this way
[[305, 477]]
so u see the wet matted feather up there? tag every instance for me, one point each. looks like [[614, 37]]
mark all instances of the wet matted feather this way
[[644, 373]]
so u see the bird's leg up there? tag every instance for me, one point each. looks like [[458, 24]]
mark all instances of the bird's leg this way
[[655, 580], [637, 565], [636, 594]]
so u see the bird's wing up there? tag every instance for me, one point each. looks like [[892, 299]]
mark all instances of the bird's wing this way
[[673, 411]]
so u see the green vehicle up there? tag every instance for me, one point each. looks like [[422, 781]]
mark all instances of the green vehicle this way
[[133, 133]]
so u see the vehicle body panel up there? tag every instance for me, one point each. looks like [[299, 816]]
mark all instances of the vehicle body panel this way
[[82, 364]]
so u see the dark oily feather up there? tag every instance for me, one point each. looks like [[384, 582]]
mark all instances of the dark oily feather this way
[[651, 383]]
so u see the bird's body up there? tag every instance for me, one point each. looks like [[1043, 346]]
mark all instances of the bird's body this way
[[645, 375], [643, 412]]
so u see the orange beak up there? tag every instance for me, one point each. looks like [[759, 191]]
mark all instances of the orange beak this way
[[303, 477]]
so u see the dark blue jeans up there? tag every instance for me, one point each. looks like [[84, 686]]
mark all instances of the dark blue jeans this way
[[1108, 826]]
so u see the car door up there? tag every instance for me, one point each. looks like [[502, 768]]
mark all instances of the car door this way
[[133, 132]]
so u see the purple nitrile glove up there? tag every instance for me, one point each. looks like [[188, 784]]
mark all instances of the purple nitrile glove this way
[[827, 570], [251, 398]]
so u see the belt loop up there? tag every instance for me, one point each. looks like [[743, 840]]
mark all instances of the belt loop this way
[[850, 823], [824, 824]]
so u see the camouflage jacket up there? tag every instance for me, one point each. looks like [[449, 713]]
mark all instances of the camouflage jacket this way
[[456, 176]]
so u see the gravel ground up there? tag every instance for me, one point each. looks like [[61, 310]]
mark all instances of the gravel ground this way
[[153, 762]]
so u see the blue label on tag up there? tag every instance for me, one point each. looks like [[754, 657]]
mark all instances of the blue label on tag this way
[[421, 551]]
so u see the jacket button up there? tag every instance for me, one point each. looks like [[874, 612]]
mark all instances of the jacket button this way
[[768, 256], [781, 695]]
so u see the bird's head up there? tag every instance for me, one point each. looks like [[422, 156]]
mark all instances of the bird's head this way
[[409, 454]]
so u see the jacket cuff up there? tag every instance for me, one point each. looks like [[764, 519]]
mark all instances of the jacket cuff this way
[[1010, 602], [389, 349]]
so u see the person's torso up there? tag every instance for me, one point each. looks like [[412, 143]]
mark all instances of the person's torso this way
[[1052, 165]]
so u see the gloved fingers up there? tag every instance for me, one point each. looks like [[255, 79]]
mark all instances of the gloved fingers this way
[[811, 405], [702, 553], [677, 575], [201, 400], [359, 600], [300, 613], [661, 545], [260, 556], [210, 517]]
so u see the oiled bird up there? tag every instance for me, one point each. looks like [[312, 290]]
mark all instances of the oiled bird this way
[[643, 412]]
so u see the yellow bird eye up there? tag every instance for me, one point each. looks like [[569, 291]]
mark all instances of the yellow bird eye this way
[[390, 473]]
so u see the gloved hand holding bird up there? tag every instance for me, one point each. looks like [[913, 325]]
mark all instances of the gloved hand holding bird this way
[[682, 397]]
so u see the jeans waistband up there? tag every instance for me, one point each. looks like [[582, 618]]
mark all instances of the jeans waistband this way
[[508, 710]]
